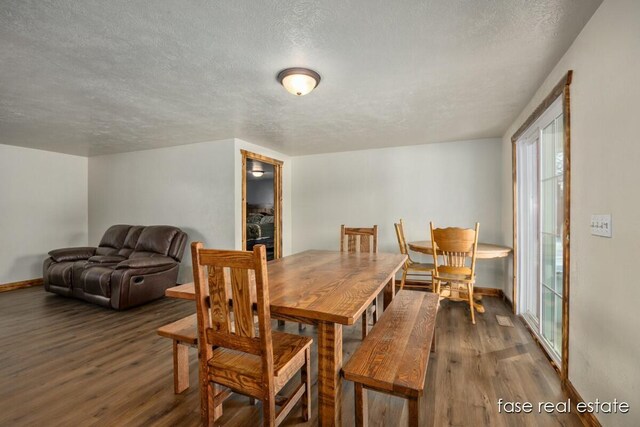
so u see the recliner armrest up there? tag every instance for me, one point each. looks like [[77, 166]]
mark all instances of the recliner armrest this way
[[106, 259], [146, 262], [72, 254]]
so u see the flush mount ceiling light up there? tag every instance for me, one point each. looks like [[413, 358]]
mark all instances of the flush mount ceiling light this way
[[256, 170], [299, 81]]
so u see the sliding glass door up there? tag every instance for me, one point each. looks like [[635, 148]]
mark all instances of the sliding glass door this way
[[540, 192]]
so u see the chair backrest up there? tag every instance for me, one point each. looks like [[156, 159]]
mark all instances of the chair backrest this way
[[236, 279], [359, 239], [402, 242], [455, 246]]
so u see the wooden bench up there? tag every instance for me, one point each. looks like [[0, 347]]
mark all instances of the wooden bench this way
[[393, 358], [184, 334]]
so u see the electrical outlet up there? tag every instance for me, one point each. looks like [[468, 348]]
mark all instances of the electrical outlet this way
[[601, 225]]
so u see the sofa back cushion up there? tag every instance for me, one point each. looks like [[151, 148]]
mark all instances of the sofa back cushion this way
[[113, 240], [155, 240], [131, 241]]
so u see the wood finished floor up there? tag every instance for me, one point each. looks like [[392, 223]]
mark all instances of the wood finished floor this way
[[65, 362]]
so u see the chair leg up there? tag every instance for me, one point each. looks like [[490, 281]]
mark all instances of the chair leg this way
[[414, 412], [471, 304], [301, 327], [404, 278], [214, 413], [208, 411], [306, 379], [362, 412], [433, 343], [269, 411], [280, 323]]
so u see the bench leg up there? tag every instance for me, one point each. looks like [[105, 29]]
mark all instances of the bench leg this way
[[389, 292], [376, 311], [305, 373], [414, 412], [362, 412], [365, 323], [180, 367]]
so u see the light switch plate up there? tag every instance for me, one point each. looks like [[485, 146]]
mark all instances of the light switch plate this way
[[601, 225]]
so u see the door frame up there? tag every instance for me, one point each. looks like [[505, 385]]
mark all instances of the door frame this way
[[560, 90], [277, 198]]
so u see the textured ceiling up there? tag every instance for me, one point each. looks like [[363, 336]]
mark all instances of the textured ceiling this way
[[96, 77]]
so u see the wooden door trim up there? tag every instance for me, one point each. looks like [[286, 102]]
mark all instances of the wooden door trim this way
[[560, 90], [277, 196]]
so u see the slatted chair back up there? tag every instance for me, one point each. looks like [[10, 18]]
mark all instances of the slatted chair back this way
[[354, 239], [455, 247], [237, 279], [402, 242]]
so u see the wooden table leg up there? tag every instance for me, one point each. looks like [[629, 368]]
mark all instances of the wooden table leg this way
[[180, 367], [389, 292], [414, 412], [329, 380]]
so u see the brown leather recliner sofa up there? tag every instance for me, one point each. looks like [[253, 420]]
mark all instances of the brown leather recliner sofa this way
[[131, 266]]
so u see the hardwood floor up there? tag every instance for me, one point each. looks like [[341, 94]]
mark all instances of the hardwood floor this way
[[65, 362]]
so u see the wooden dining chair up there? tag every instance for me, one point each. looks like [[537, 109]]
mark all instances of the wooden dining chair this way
[[456, 248], [358, 239], [411, 267], [235, 354]]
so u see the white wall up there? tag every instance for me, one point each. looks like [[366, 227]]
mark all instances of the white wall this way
[[451, 184], [196, 187], [604, 338], [287, 168], [43, 206], [188, 186]]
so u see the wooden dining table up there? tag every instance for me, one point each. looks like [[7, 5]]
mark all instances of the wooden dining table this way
[[327, 289], [483, 251]]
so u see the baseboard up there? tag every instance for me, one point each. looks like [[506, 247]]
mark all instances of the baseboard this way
[[6, 287], [588, 419]]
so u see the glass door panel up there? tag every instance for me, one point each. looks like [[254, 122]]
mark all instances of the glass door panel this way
[[551, 224], [540, 210]]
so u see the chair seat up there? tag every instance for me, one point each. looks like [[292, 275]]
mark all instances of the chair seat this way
[[454, 277], [420, 266], [285, 348]]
